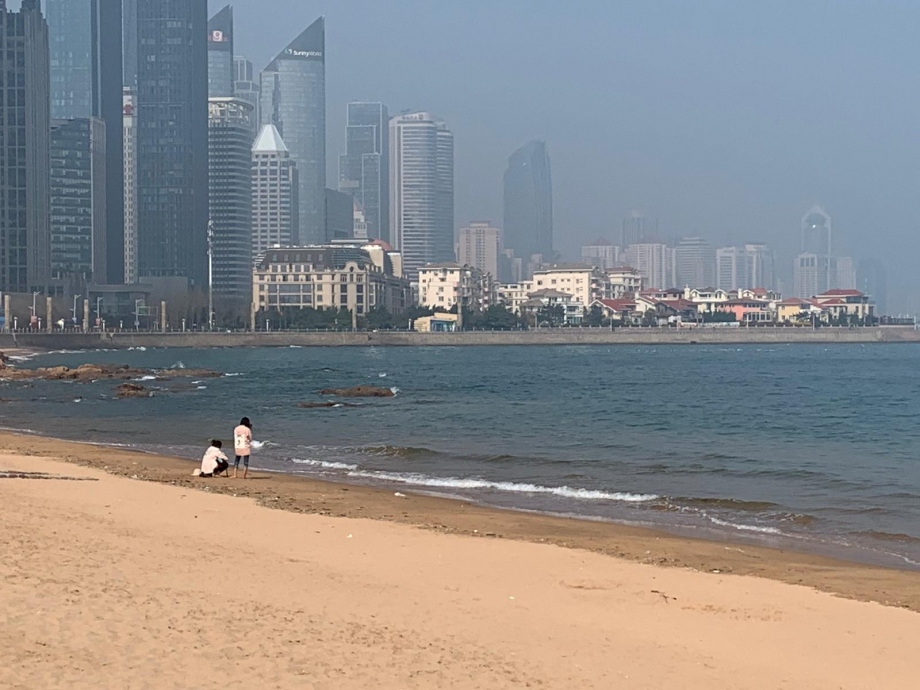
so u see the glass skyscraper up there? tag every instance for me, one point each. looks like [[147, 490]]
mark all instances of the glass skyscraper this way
[[220, 54], [528, 223], [364, 168], [172, 142], [246, 88], [294, 100]]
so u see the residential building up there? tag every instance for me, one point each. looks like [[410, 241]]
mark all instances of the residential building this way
[[129, 130], [230, 200], [172, 145], [478, 247], [528, 202], [654, 261], [421, 190], [364, 169], [340, 215], [294, 100], [844, 273], [337, 276], [839, 303], [871, 279], [694, 263], [513, 296], [274, 193], [749, 311], [622, 281], [246, 88], [25, 150], [584, 283], [638, 228], [601, 254], [86, 82], [220, 54], [795, 310], [78, 195], [572, 309], [442, 286]]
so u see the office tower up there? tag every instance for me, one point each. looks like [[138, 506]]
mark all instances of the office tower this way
[[694, 263], [761, 266], [747, 267], [129, 125], [246, 88], [172, 144], [655, 263], [129, 42], [230, 199], [294, 100], [78, 199], [364, 170], [814, 268], [600, 254], [86, 82], [274, 193], [340, 215], [360, 224], [637, 228], [478, 247], [25, 150], [421, 190], [843, 273], [220, 54], [816, 235], [528, 197], [871, 279]]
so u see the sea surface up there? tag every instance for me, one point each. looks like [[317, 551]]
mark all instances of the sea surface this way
[[803, 446]]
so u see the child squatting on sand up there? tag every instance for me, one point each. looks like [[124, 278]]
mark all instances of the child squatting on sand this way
[[214, 461]]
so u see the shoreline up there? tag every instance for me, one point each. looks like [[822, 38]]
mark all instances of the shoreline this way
[[299, 494]]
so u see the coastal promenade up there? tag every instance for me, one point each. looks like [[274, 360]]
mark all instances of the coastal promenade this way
[[549, 336]]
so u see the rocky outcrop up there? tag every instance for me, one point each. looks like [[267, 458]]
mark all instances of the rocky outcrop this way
[[359, 392], [132, 390], [86, 373]]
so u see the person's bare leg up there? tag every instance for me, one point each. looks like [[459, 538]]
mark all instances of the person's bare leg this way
[[246, 469]]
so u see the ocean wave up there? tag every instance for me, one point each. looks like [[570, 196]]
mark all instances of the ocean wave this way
[[148, 377], [894, 537], [745, 528], [325, 464], [729, 504], [424, 480], [398, 451]]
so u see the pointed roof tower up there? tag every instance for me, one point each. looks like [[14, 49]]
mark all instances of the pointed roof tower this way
[[309, 45], [269, 141], [220, 30]]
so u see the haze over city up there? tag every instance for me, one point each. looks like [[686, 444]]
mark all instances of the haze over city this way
[[723, 119]]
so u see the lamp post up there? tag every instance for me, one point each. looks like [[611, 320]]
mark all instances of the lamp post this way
[[74, 310], [210, 275], [34, 318], [99, 311]]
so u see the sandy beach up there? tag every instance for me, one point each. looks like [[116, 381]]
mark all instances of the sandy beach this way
[[109, 581]]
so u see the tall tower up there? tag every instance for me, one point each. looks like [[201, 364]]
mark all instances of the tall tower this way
[[528, 227], [813, 268], [25, 150], [172, 143], [364, 168], [421, 190], [274, 193], [129, 122], [294, 100], [694, 263], [247, 88], [129, 42], [220, 54], [637, 228], [86, 82]]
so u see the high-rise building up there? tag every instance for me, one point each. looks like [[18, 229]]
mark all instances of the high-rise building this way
[[843, 273], [761, 266], [340, 215], [86, 82], [602, 253], [129, 42], [172, 144], [478, 247], [246, 88], [421, 190], [294, 100], [230, 199], [747, 267], [129, 126], [694, 262], [25, 150], [655, 263], [528, 200], [817, 234], [274, 193], [78, 196], [364, 170], [872, 280], [814, 268], [220, 54], [637, 228]]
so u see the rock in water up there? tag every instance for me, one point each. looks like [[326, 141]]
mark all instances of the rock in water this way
[[359, 392], [132, 390]]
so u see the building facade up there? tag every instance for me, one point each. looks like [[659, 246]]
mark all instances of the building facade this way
[[364, 169], [274, 193], [129, 132], [601, 254], [294, 100], [478, 246], [421, 190], [246, 87], [872, 279], [528, 202], [172, 143], [444, 285], [230, 198], [750, 266], [25, 150], [694, 263], [340, 215], [638, 228], [220, 54], [655, 262], [583, 283]]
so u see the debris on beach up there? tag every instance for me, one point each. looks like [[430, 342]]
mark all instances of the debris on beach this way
[[359, 392]]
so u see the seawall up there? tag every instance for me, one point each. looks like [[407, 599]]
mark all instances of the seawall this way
[[574, 336]]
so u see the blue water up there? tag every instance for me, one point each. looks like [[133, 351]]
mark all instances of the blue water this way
[[807, 446]]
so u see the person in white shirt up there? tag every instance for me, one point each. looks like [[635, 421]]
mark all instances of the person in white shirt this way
[[214, 461]]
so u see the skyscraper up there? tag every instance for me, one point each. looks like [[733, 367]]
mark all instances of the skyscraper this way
[[364, 168], [636, 228], [873, 281], [421, 190], [25, 150], [129, 42], [129, 123], [220, 54], [172, 143], [274, 193], [814, 267], [340, 215], [528, 185], [86, 82], [246, 88], [294, 100], [750, 266], [655, 263], [230, 199], [478, 247], [694, 263]]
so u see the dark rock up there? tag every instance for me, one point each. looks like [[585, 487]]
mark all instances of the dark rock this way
[[359, 392], [132, 390]]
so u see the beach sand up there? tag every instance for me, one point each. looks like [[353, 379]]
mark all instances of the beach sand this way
[[112, 582]]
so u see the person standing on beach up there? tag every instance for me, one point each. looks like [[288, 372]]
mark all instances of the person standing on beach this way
[[242, 446]]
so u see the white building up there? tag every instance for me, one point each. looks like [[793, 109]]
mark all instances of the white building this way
[[584, 283], [749, 266], [129, 121], [513, 296], [441, 286], [478, 247], [694, 263], [622, 281], [274, 193], [601, 254], [655, 262], [844, 277]]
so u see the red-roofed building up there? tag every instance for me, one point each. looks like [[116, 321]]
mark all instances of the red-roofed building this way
[[843, 304]]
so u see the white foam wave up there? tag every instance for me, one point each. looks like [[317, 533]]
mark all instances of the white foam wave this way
[[257, 445], [147, 378], [510, 487], [325, 464], [234, 374], [382, 375], [745, 528], [178, 365], [394, 389], [200, 388], [140, 348]]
